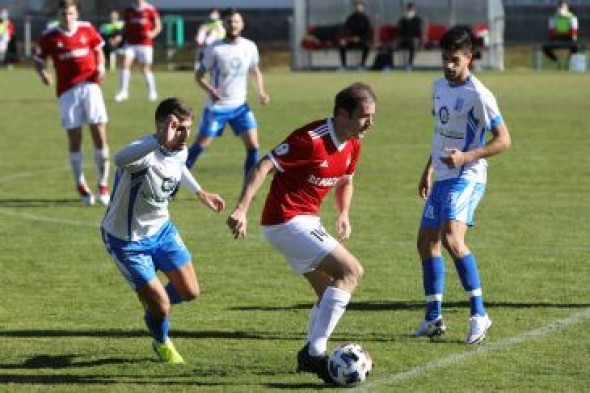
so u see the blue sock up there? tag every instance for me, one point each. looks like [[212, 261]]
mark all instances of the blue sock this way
[[433, 278], [251, 160], [173, 294], [193, 154], [158, 327], [467, 269]]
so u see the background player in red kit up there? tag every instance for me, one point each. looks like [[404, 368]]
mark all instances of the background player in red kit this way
[[75, 48], [142, 25], [306, 166]]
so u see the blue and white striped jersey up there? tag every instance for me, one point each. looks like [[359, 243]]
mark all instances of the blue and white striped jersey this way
[[462, 115], [145, 178]]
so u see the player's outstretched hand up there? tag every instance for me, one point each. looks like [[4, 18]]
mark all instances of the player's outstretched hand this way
[[212, 201], [237, 223]]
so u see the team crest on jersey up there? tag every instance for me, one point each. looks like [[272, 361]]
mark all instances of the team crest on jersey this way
[[236, 63], [443, 114], [83, 40], [282, 149], [459, 104]]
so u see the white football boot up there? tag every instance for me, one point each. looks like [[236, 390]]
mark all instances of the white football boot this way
[[121, 96], [478, 327]]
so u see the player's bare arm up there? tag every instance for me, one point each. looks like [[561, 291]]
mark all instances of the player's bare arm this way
[[259, 80], [44, 74], [100, 61], [237, 221], [156, 30], [343, 192], [499, 142], [211, 200], [426, 180], [201, 79]]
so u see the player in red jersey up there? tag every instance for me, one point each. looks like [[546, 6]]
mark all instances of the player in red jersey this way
[[142, 25], [306, 166], [75, 48]]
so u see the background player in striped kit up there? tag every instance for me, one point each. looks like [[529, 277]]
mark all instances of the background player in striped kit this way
[[464, 109]]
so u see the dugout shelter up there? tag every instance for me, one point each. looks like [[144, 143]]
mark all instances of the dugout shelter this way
[[484, 17]]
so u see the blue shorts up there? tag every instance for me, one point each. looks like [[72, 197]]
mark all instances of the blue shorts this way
[[139, 260], [452, 199], [240, 119]]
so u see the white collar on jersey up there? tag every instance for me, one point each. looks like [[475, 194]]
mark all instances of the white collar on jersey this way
[[339, 145], [71, 32]]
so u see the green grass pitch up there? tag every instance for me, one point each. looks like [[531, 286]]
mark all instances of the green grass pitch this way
[[69, 323]]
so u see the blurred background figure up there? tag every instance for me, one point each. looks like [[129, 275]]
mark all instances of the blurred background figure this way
[[411, 33], [563, 32], [8, 52], [142, 26], [357, 34], [209, 32], [112, 34]]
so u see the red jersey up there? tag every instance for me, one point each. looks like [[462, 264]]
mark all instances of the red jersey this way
[[73, 54], [309, 162], [139, 21]]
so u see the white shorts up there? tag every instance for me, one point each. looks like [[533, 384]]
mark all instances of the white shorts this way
[[82, 104], [303, 241], [144, 54]]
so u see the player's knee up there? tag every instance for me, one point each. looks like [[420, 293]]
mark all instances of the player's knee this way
[[453, 244], [191, 293], [353, 274]]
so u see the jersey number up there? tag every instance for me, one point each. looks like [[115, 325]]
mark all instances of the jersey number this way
[[319, 233]]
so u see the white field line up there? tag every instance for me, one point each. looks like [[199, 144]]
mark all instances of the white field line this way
[[34, 217], [482, 349]]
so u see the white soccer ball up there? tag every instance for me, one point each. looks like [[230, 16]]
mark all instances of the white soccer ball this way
[[349, 364]]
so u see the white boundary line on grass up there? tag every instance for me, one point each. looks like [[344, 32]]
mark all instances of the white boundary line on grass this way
[[556, 326], [12, 213]]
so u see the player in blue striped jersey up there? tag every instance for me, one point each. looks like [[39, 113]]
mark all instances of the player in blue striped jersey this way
[[454, 181], [137, 230]]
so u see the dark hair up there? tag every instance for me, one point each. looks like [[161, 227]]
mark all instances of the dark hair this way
[[457, 38], [226, 13], [351, 97], [173, 106], [63, 4]]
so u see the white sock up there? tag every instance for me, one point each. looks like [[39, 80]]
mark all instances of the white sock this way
[[101, 158], [313, 315], [76, 165], [332, 307], [150, 82], [124, 77]]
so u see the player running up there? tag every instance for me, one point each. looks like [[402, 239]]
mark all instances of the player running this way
[[306, 166], [464, 109], [75, 48], [137, 230]]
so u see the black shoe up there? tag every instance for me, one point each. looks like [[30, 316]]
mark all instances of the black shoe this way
[[313, 364]]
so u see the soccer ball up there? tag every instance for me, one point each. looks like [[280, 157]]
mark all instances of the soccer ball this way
[[349, 364]]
